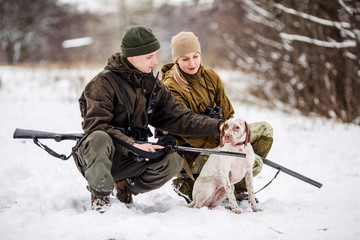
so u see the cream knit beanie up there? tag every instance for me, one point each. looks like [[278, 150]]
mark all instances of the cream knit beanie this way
[[184, 43]]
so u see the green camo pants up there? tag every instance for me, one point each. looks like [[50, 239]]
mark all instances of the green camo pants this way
[[261, 141], [102, 166]]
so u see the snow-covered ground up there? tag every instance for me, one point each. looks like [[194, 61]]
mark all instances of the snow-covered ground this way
[[42, 197]]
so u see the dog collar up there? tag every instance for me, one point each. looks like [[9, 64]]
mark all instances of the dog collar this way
[[240, 143]]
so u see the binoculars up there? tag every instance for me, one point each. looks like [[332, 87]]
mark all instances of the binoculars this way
[[213, 112]]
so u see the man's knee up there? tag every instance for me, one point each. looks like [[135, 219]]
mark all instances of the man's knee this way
[[169, 166], [157, 174], [175, 163], [179, 162], [94, 159], [98, 139], [98, 145]]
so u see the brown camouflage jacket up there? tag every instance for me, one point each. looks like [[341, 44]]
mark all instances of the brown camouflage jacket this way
[[102, 106], [198, 97]]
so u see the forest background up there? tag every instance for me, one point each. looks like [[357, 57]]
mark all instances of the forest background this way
[[299, 54]]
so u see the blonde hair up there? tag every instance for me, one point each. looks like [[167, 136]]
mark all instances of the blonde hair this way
[[179, 77], [181, 44]]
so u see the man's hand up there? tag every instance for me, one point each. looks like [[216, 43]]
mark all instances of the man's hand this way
[[147, 147]]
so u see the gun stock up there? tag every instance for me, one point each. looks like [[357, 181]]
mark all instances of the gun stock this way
[[32, 134]]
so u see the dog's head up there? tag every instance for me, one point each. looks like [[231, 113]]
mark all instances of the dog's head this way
[[235, 132]]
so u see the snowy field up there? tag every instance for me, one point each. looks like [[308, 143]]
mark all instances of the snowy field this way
[[42, 197]]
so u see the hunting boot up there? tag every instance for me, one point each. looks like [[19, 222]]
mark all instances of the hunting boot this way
[[123, 193], [100, 204]]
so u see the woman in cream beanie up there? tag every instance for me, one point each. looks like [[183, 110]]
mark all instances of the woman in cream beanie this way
[[183, 43], [197, 88], [186, 46], [201, 90]]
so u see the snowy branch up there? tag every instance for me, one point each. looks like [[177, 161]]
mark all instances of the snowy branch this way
[[313, 18], [339, 25], [348, 9], [334, 44], [260, 15], [258, 9]]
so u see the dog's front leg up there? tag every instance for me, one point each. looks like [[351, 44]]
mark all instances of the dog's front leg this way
[[250, 189], [229, 188]]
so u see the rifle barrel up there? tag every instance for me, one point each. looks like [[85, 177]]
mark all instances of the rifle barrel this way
[[265, 161], [191, 149], [291, 173]]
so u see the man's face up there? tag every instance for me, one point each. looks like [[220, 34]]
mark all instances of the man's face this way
[[144, 63]]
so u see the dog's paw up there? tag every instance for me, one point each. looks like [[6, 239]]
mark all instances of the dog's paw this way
[[256, 209], [234, 210], [237, 211]]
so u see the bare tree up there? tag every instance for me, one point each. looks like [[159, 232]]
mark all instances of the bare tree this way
[[28, 27], [308, 51], [304, 53]]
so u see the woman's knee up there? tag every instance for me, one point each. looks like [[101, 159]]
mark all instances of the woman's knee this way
[[258, 165], [261, 137], [258, 129], [269, 131]]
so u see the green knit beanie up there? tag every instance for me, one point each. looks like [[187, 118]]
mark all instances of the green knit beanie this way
[[138, 40]]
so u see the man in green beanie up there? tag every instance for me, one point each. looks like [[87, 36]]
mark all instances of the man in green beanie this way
[[117, 106]]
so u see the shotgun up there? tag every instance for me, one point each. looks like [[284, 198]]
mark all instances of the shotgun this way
[[35, 135]]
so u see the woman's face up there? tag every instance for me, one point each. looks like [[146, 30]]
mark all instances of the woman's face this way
[[190, 63]]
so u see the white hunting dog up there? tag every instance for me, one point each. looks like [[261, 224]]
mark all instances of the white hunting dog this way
[[220, 173]]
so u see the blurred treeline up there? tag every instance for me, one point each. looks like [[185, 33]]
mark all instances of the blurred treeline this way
[[302, 53]]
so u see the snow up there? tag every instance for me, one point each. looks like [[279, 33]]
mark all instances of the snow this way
[[108, 6], [77, 42], [42, 197]]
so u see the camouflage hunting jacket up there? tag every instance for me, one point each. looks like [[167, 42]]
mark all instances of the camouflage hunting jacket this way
[[102, 106], [198, 97]]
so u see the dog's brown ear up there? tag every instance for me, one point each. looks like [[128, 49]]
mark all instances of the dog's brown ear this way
[[248, 134], [222, 135]]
